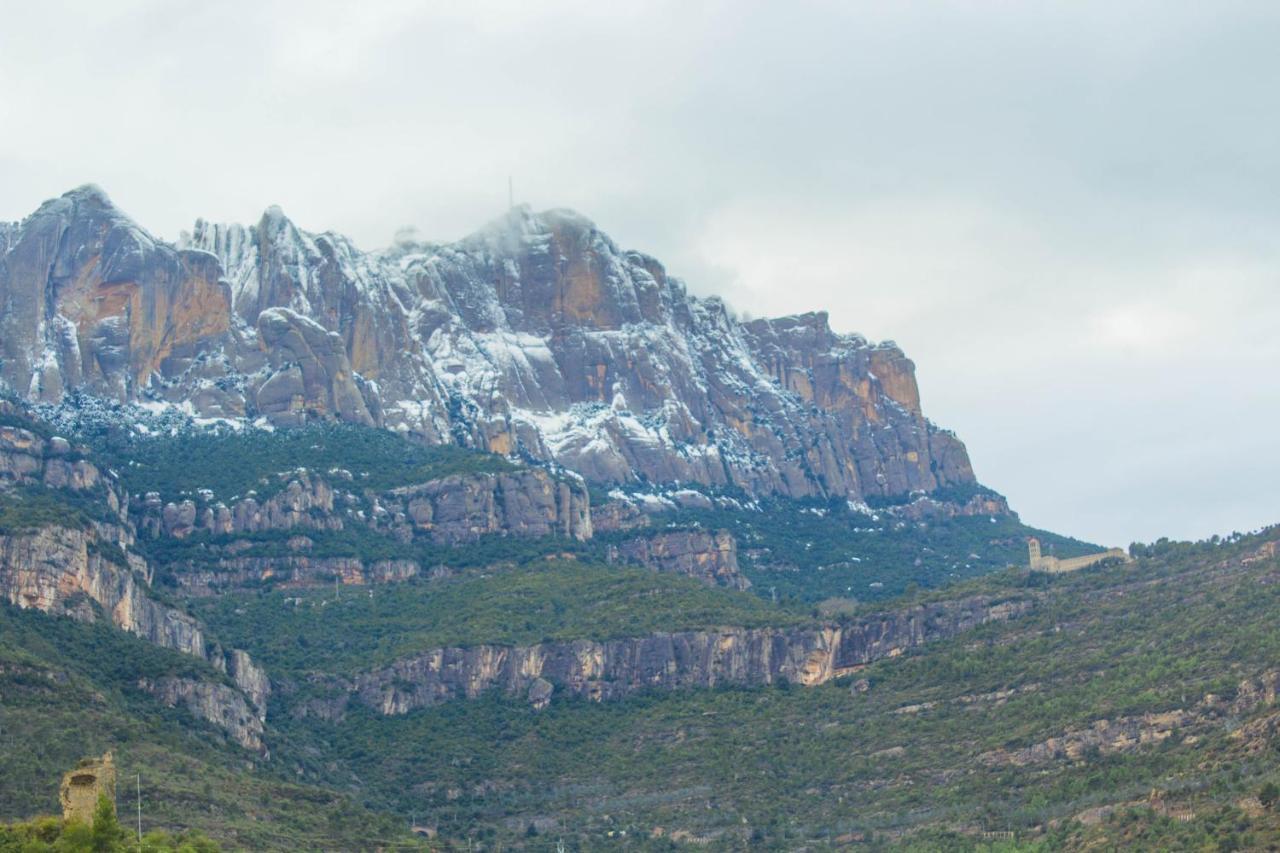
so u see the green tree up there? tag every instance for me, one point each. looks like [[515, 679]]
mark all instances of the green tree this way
[[76, 837], [1269, 794], [108, 834]]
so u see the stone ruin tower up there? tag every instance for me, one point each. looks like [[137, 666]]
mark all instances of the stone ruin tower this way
[[82, 786]]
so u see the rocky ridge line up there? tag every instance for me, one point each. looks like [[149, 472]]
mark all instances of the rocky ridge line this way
[[535, 336]]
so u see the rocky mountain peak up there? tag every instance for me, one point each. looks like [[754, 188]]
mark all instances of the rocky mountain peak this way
[[89, 195], [537, 335]]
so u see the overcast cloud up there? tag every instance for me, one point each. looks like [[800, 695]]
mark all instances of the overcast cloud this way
[[1065, 213]]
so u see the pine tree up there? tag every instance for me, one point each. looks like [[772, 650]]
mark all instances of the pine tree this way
[[108, 835]]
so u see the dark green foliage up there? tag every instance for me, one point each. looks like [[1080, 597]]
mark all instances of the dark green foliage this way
[[232, 463], [96, 650], [108, 835], [28, 423], [201, 550], [806, 551], [111, 552], [105, 835], [906, 762], [355, 629], [28, 508], [798, 767], [1269, 795]]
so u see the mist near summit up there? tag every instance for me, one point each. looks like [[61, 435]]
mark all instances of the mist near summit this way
[[1065, 215]]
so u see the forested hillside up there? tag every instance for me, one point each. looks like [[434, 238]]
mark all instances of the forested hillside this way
[[338, 630]]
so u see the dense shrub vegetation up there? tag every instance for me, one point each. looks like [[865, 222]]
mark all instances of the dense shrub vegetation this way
[[232, 463], [68, 690], [345, 630], [807, 552], [27, 508], [786, 767], [103, 835], [905, 752]]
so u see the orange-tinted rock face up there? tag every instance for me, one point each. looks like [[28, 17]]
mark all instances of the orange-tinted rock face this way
[[581, 298], [870, 393], [897, 378], [118, 303]]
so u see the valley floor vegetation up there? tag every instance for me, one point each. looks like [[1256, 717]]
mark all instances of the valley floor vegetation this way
[[103, 835]]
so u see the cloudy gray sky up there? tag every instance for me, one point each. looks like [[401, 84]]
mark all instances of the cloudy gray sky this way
[[1066, 213]]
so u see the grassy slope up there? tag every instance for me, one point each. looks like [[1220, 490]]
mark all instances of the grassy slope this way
[[67, 691], [810, 764]]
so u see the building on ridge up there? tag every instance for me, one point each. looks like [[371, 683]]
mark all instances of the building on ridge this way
[[1039, 562]]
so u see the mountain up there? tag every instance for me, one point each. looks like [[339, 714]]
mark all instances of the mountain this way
[[537, 336], [512, 541]]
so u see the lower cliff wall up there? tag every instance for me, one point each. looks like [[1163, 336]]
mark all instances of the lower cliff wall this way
[[60, 569], [612, 668], [299, 571], [67, 570], [219, 704]]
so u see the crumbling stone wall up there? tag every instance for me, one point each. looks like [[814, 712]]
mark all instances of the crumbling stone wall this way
[[82, 786]]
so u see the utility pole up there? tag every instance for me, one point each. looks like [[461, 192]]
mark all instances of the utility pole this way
[[138, 779]]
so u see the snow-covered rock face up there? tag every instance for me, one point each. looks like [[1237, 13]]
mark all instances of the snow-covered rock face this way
[[536, 335]]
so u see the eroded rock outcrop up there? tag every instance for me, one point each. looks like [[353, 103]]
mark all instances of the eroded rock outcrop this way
[[870, 395], [224, 573], [305, 501], [82, 568], [219, 704], [711, 557], [1128, 733], [613, 668], [66, 571], [27, 458], [91, 301], [312, 375], [465, 507], [451, 510], [60, 569]]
